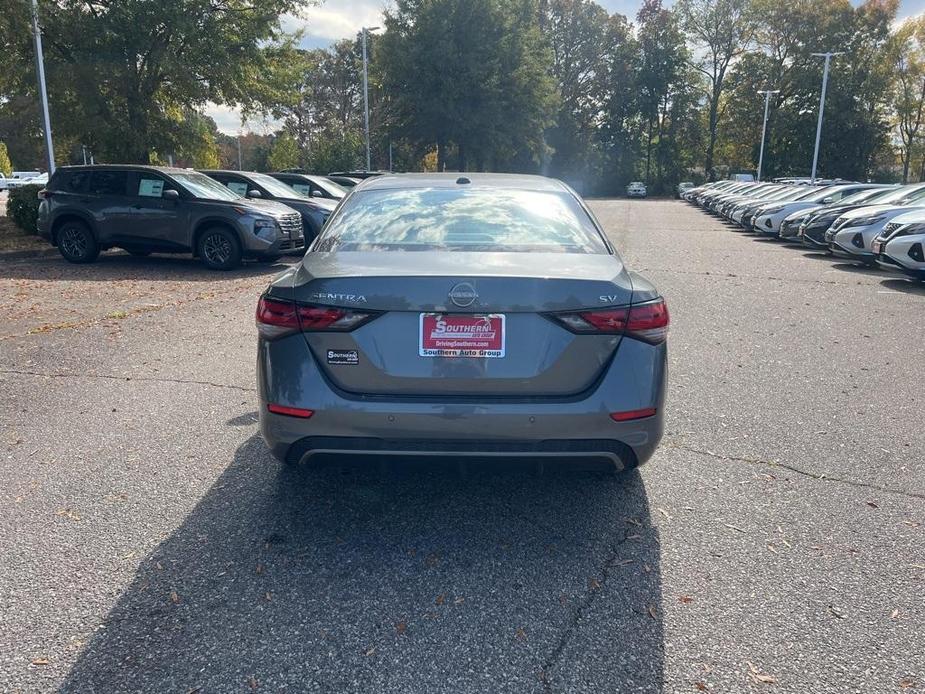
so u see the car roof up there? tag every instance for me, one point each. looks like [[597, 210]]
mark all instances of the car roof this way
[[227, 171], [125, 167], [453, 180]]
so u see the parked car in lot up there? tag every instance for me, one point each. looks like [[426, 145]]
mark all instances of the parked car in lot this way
[[39, 179], [851, 235], [346, 182], [17, 178], [315, 211], [790, 226], [768, 218], [900, 247], [636, 189], [518, 330], [144, 209], [311, 186], [683, 187]]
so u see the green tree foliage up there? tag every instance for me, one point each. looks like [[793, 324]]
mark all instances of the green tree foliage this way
[[470, 75], [6, 166], [907, 58], [124, 73], [720, 31], [284, 154], [23, 208]]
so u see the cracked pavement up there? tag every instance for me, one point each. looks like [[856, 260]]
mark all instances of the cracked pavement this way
[[149, 543]]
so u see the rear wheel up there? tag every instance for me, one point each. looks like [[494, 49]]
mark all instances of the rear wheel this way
[[76, 243], [219, 249]]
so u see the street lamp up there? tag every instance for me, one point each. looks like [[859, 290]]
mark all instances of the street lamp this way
[[366, 31], [767, 100], [825, 82], [43, 92]]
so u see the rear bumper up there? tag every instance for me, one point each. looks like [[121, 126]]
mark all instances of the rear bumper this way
[[577, 427]]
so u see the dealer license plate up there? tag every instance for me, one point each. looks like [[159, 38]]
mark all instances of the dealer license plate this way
[[461, 335]]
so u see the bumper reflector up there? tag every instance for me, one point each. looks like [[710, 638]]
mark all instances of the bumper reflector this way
[[289, 411], [632, 414]]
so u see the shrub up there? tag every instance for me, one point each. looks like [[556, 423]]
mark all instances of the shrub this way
[[23, 208]]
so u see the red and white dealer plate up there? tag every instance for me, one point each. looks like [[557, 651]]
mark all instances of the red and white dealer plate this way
[[461, 335]]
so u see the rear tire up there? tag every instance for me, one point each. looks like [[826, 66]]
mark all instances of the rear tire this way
[[77, 243], [219, 249]]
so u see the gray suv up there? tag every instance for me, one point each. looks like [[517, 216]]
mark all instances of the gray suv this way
[[145, 209]]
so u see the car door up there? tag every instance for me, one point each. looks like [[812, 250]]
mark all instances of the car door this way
[[157, 222], [109, 204]]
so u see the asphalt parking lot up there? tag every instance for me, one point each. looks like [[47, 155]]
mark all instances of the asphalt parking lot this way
[[775, 542]]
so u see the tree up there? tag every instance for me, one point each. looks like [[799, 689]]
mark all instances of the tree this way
[[663, 55], [6, 167], [284, 154], [135, 68], [720, 32], [907, 51], [471, 76], [577, 31]]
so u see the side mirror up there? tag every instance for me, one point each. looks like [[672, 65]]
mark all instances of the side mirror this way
[[826, 201], [170, 195], [317, 194], [254, 194]]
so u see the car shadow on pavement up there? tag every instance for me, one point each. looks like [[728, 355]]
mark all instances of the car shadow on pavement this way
[[345, 579], [122, 266], [908, 286]]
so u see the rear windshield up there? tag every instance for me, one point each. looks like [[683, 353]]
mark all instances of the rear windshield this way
[[469, 219]]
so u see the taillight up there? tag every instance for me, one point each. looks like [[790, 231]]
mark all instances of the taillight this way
[[647, 322], [44, 194], [276, 318]]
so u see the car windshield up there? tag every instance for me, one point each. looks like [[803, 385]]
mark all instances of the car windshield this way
[[275, 187], [472, 219], [904, 196], [870, 195], [201, 186], [328, 186]]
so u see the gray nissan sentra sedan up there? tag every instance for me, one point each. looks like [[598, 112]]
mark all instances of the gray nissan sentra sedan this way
[[475, 315]]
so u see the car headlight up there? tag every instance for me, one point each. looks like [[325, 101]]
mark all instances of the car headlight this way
[[863, 221], [267, 228], [910, 229]]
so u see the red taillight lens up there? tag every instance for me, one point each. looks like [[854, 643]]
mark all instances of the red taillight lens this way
[[648, 322], [276, 318], [289, 411], [632, 414]]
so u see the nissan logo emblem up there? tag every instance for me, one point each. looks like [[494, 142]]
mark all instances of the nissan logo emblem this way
[[463, 295]]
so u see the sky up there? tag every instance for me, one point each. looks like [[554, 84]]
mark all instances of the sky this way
[[339, 19]]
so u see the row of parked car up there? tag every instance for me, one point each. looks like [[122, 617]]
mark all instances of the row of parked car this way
[[222, 217], [866, 223], [18, 179]]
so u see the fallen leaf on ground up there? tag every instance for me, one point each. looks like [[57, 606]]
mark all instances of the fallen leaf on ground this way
[[593, 584], [174, 598], [40, 661], [686, 599], [701, 687], [441, 599], [836, 612], [520, 634], [759, 677], [664, 513], [252, 683], [734, 527], [459, 601], [653, 611], [401, 627], [370, 652], [873, 504], [895, 614]]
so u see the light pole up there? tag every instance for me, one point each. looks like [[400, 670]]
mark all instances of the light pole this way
[[764, 128], [43, 92], [825, 82], [366, 31]]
